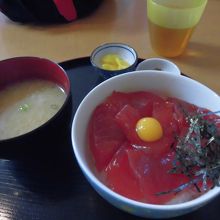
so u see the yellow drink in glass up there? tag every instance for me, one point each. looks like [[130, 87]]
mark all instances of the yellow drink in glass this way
[[171, 24]]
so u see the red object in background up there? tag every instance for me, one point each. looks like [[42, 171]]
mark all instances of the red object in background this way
[[66, 8], [47, 11]]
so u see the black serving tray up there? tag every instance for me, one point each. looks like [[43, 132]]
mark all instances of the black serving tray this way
[[48, 185]]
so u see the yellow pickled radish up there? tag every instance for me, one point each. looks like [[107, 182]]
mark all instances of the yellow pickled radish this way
[[113, 62], [108, 66], [122, 64], [149, 129]]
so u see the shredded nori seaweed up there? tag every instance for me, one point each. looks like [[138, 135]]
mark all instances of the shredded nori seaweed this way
[[197, 153]]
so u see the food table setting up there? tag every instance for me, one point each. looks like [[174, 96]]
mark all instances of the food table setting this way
[[43, 179]]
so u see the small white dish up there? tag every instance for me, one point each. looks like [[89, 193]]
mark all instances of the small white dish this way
[[159, 65]]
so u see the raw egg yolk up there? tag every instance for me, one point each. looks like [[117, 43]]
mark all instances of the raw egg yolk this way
[[113, 62], [149, 129]]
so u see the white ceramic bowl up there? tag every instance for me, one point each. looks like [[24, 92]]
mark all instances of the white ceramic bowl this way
[[157, 81], [124, 51]]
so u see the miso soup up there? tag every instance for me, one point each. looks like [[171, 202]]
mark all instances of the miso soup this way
[[26, 105]]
